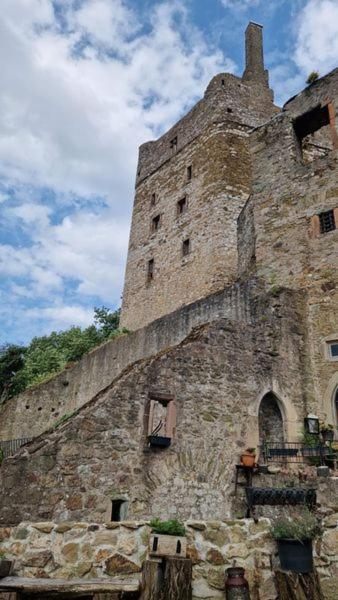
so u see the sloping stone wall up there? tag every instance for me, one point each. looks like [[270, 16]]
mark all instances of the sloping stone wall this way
[[217, 377], [89, 550], [31, 413]]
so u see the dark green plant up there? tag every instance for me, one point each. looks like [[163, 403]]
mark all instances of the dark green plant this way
[[304, 526], [2, 555], [1, 455], [171, 527], [314, 75], [250, 451], [63, 419], [47, 355]]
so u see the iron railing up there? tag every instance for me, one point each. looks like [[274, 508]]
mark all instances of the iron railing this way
[[10, 447], [296, 452]]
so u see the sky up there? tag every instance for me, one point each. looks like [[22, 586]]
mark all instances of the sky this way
[[83, 84]]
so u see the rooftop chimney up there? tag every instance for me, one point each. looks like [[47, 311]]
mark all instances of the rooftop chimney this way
[[254, 60]]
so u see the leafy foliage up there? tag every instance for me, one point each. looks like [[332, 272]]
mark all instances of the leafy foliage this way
[[171, 527], [2, 555], [304, 526], [47, 355], [1, 455], [314, 75]]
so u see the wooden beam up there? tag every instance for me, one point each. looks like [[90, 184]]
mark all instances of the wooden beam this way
[[293, 586]]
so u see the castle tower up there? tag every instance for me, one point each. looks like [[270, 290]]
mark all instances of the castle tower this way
[[191, 185]]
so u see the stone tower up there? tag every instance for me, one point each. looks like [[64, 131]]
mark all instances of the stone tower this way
[[191, 185]]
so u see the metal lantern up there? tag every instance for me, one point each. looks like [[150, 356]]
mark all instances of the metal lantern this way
[[311, 424]]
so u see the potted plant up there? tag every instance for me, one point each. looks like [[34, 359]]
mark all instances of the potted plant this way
[[168, 538], [5, 565], [326, 431], [294, 541], [248, 457]]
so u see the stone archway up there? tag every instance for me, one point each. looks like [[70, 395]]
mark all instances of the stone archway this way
[[270, 420]]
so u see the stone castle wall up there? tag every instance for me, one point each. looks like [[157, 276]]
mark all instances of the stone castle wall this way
[[214, 196], [217, 377], [40, 407], [68, 550], [212, 140], [279, 237]]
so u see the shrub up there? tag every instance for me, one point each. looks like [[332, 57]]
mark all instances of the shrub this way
[[171, 527], [2, 555], [314, 75], [304, 526]]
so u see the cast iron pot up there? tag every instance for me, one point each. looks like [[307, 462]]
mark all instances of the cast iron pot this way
[[5, 567], [295, 555]]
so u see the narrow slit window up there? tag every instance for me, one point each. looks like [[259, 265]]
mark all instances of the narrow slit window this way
[[182, 206], [189, 173], [173, 144], [178, 547], [155, 224], [150, 273], [186, 247], [327, 221], [118, 510], [153, 199]]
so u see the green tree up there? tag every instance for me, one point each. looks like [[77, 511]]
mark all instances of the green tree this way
[[49, 354], [11, 361]]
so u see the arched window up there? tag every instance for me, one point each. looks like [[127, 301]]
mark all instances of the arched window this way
[[270, 420]]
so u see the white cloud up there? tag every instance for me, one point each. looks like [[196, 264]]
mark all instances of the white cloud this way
[[317, 40], [62, 316], [240, 5], [79, 94]]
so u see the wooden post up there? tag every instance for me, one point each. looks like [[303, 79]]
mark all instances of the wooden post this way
[[167, 579], [293, 586]]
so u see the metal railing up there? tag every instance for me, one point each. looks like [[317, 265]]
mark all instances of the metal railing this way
[[296, 452], [10, 447]]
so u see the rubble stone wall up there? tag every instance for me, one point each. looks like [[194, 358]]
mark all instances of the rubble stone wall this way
[[68, 550], [217, 377], [37, 409]]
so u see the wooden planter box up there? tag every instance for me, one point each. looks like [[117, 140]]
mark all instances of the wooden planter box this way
[[167, 545]]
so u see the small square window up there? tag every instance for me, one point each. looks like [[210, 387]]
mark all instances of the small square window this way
[[333, 350], [173, 144], [155, 224], [327, 221], [150, 274], [153, 200], [189, 173], [182, 206], [186, 247]]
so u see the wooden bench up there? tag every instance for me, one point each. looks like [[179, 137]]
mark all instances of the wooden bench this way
[[24, 588]]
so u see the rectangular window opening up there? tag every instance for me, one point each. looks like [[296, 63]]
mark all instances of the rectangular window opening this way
[[161, 423], [186, 247], [182, 206], [150, 269], [118, 510], [327, 221], [189, 173], [155, 224], [314, 133], [173, 144]]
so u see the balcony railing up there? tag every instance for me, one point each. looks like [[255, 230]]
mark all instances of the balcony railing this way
[[296, 452], [10, 447]]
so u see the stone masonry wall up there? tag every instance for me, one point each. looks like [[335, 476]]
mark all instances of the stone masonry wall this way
[[279, 238], [88, 550], [216, 193], [217, 376], [38, 408]]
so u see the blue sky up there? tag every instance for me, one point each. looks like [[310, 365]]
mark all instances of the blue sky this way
[[84, 82]]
